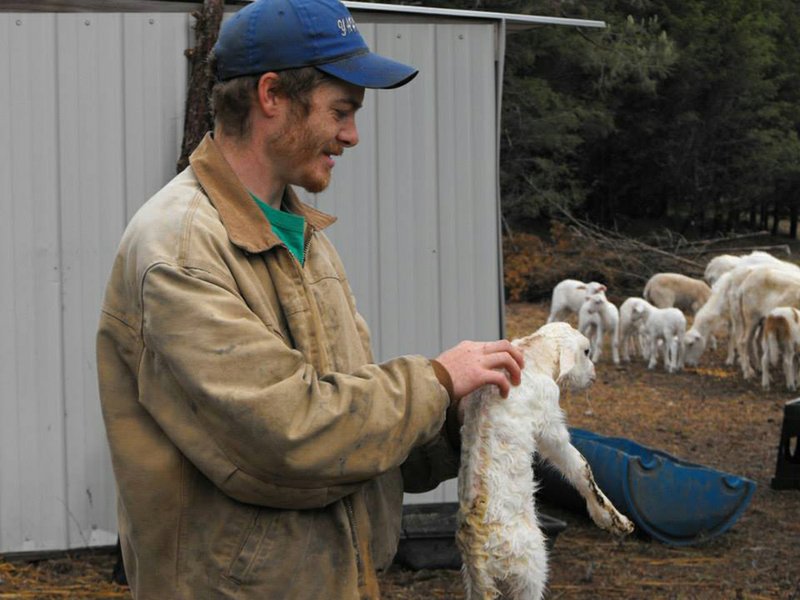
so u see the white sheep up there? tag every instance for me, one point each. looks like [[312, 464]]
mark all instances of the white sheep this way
[[723, 263], [761, 291], [596, 317], [665, 290], [712, 318], [501, 544], [721, 311], [568, 296], [781, 333], [667, 326], [718, 266], [631, 330]]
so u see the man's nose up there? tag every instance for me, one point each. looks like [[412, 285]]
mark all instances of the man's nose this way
[[348, 135]]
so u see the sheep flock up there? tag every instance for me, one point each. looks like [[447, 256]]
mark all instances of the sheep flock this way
[[751, 300]]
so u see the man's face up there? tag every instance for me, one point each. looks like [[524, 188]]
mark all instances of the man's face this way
[[304, 148]]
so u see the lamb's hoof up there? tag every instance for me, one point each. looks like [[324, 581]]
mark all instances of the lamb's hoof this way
[[625, 525]]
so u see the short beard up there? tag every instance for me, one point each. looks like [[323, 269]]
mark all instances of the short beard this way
[[295, 143]]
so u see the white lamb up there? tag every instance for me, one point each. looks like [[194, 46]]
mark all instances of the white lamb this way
[[568, 296], [665, 290], [631, 332], [668, 326], [502, 546], [596, 317], [781, 339]]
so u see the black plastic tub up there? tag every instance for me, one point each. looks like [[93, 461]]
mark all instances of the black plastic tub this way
[[427, 539]]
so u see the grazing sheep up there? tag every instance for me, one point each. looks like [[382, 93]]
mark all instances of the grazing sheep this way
[[781, 333], [713, 317], [596, 317], [665, 290], [502, 546], [631, 331], [568, 296], [668, 326], [722, 310]]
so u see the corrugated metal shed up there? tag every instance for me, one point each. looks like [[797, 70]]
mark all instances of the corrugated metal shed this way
[[91, 114]]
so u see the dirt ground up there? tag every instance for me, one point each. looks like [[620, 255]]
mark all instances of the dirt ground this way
[[708, 415]]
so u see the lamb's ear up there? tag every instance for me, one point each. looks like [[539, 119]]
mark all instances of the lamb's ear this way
[[603, 288], [566, 360], [580, 287]]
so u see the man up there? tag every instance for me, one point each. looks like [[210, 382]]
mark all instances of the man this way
[[258, 450]]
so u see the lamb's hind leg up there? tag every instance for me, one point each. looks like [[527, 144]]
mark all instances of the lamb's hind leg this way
[[556, 448], [528, 573], [478, 583]]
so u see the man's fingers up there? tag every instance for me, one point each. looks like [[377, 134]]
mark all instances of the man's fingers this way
[[501, 381], [507, 347], [503, 360]]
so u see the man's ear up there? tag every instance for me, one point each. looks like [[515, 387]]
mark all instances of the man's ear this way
[[566, 360], [267, 99]]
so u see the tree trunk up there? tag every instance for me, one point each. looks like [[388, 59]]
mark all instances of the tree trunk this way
[[753, 215], [733, 220], [197, 120], [793, 220], [764, 215], [776, 217]]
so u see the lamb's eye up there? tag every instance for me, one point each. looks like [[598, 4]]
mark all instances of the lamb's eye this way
[[586, 352]]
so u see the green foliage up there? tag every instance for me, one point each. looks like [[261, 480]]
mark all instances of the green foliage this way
[[685, 109]]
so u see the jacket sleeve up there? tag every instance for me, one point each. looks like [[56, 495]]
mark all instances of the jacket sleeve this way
[[254, 416]]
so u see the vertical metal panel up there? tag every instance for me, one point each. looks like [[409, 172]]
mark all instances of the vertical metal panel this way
[[467, 196], [91, 163], [32, 479], [155, 73]]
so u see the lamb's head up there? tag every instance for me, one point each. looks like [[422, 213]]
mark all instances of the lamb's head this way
[[694, 345], [594, 287], [639, 311], [561, 352], [595, 302]]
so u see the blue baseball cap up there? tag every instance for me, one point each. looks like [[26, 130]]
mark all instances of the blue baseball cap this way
[[273, 35]]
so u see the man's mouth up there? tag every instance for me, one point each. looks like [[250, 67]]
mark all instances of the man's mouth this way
[[330, 154]]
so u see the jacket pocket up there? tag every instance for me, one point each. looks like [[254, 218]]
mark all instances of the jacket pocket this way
[[256, 536]]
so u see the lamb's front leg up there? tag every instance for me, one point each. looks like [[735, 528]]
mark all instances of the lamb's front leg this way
[[555, 446], [598, 342]]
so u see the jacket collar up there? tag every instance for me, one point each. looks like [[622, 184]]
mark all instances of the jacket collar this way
[[246, 225]]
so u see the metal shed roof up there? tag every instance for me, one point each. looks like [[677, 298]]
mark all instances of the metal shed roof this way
[[513, 22]]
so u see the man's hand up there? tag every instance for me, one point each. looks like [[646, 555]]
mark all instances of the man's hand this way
[[474, 364]]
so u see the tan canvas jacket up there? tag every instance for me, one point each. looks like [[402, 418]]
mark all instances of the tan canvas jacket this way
[[256, 447]]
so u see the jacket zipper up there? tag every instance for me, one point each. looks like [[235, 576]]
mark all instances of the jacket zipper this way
[[351, 515], [306, 247]]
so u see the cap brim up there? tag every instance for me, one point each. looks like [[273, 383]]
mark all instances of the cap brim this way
[[370, 70]]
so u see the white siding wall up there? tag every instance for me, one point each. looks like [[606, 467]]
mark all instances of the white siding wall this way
[[91, 118]]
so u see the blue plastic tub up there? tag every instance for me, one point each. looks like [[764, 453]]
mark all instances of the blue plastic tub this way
[[673, 501]]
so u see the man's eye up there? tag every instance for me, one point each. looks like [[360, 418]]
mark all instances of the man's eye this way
[[340, 115]]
